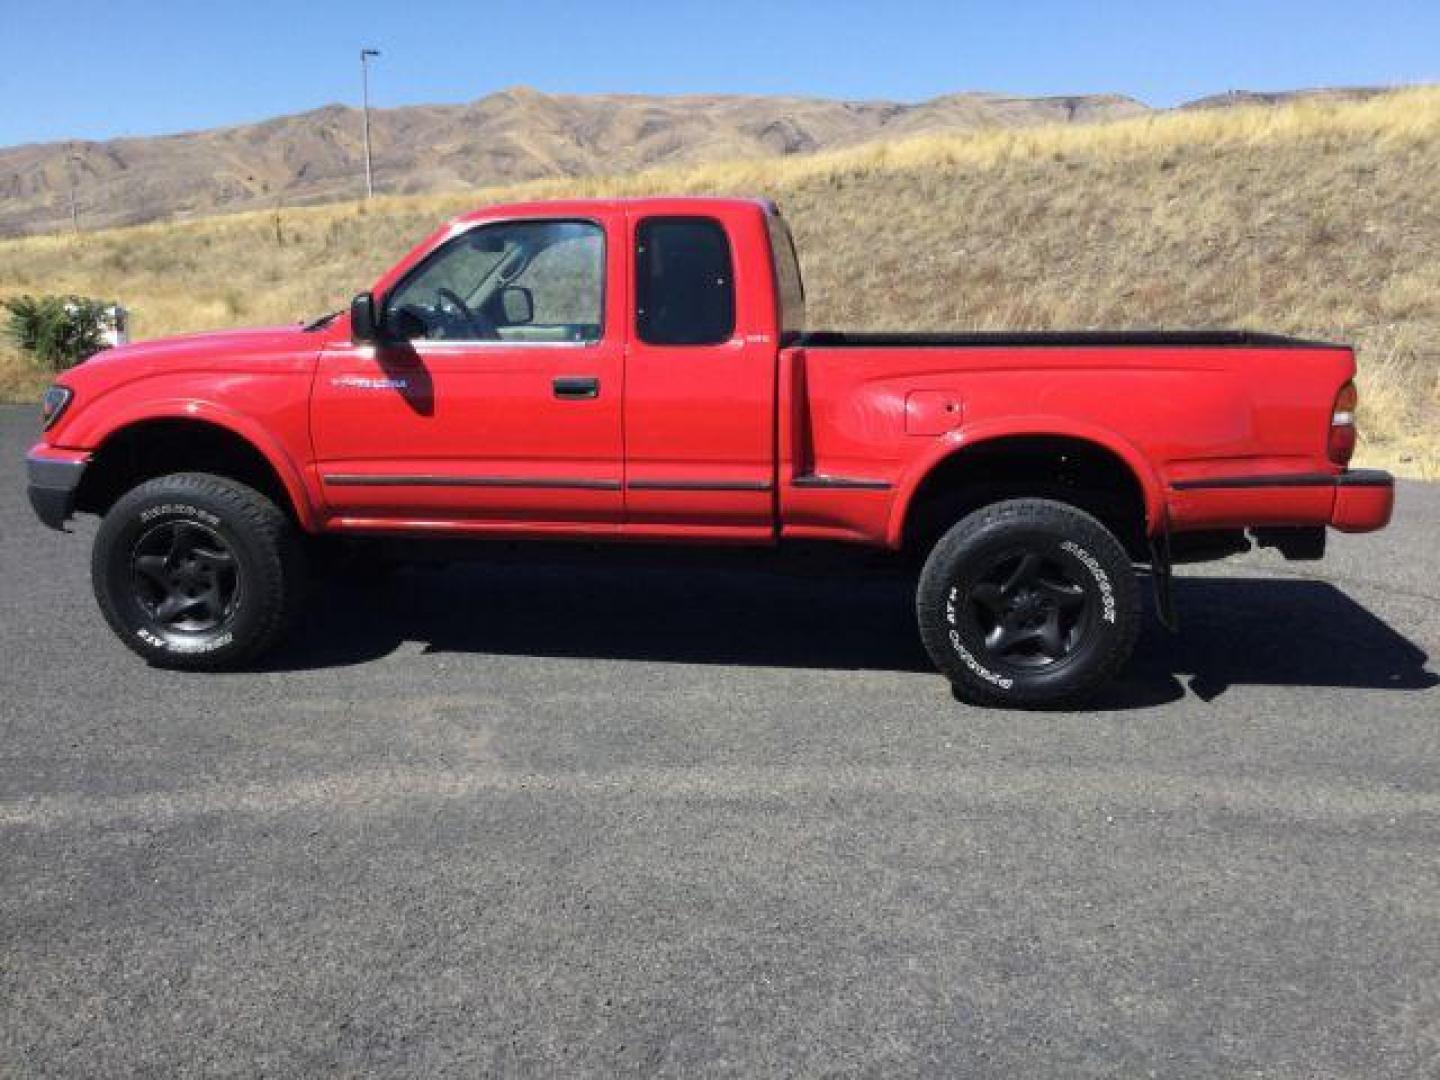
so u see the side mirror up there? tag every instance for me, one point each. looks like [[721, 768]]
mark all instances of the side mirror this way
[[364, 323], [517, 306]]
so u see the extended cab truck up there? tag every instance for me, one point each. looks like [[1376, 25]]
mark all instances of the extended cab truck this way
[[640, 370]]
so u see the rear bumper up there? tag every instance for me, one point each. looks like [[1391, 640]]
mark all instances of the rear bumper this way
[[1356, 500], [1364, 500], [54, 477]]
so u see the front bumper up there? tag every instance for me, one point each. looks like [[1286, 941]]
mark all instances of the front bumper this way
[[54, 478]]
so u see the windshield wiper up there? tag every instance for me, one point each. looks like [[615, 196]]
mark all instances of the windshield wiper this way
[[322, 322]]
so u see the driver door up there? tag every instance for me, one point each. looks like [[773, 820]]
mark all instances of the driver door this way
[[495, 401]]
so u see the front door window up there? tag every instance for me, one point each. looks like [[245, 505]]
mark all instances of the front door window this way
[[524, 281]]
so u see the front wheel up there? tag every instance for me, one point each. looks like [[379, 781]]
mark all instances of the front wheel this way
[[1028, 603], [196, 571]]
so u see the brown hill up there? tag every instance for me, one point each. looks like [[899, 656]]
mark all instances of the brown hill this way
[[1314, 218], [516, 135], [1328, 94]]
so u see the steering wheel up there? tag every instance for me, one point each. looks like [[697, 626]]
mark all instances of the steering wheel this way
[[480, 327]]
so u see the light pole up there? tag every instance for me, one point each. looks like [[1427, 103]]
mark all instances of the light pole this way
[[365, 55], [72, 167]]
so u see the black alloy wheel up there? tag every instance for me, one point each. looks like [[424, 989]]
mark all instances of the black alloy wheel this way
[[185, 577], [1030, 610]]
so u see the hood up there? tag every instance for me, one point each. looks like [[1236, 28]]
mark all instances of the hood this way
[[187, 368], [219, 351], [213, 345]]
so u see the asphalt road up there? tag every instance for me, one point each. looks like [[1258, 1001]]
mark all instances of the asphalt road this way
[[603, 819]]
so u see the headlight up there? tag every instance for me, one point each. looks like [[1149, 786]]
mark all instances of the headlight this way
[[53, 404]]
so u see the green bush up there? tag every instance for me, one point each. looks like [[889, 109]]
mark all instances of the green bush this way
[[57, 331]]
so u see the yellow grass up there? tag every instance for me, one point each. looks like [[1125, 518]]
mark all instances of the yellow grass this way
[[1313, 218]]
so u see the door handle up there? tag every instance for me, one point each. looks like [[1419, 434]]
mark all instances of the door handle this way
[[576, 387]]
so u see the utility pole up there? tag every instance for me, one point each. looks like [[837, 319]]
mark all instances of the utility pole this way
[[365, 55], [72, 165]]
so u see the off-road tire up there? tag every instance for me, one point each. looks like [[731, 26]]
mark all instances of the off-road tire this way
[[237, 563], [1081, 603]]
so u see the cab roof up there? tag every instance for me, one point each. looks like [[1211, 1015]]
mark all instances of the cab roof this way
[[583, 207]]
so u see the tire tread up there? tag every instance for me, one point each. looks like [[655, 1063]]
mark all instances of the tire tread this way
[[1041, 513]]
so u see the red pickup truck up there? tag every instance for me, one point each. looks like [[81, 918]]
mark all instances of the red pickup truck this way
[[640, 370]]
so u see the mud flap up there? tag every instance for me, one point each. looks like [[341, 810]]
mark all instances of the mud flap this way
[[1162, 578]]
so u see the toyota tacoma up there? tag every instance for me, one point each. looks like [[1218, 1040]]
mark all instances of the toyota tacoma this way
[[641, 371]]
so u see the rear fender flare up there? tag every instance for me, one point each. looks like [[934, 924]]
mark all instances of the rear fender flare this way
[[963, 439]]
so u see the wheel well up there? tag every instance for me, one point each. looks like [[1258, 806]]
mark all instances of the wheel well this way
[[1069, 470], [154, 448]]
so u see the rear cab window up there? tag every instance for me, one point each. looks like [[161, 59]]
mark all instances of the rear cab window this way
[[789, 286], [684, 282]]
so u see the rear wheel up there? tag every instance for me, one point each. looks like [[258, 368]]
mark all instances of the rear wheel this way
[[1028, 603], [196, 571]]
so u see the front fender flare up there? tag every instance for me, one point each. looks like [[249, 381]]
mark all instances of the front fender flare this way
[[237, 424]]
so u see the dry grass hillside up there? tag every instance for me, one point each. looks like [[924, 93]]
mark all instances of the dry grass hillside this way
[[509, 137], [1320, 217]]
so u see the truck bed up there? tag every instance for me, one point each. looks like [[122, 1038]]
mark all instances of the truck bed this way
[[841, 339]]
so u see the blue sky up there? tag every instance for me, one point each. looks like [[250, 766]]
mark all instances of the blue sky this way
[[89, 69]]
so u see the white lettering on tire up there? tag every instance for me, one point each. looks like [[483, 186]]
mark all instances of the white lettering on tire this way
[[1107, 591], [966, 657], [204, 645], [150, 513]]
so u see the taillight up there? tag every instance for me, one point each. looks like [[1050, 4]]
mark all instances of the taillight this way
[[1342, 425]]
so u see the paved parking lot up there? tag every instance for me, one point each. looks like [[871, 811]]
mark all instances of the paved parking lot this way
[[599, 818]]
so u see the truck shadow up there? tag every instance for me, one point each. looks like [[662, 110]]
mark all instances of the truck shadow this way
[[1277, 632], [1234, 631]]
